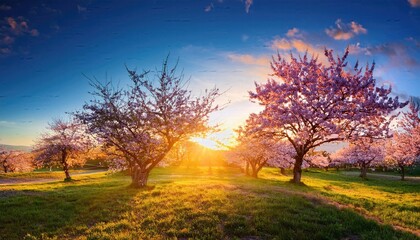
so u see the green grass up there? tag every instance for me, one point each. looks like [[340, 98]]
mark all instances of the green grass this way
[[181, 203]]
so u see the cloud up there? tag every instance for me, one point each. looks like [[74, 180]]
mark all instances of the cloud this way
[[34, 32], [296, 44], [415, 41], [5, 7], [294, 32], [81, 9], [345, 31], [7, 40], [248, 4], [12, 23], [244, 38], [11, 30], [414, 3], [356, 49], [281, 43], [209, 7], [249, 59], [397, 53], [5, 51], [20, 26]]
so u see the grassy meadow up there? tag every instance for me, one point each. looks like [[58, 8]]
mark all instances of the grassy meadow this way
[[182, 203]]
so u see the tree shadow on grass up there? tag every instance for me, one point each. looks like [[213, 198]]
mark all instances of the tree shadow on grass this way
[[217, 209], [373, 181], [65, 207]]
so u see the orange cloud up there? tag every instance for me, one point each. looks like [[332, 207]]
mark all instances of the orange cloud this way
[[297, 44], [20, 26], [414, 3], [282, 44], [345, 31], [249, 59], [12, 23], [357, 28], [292, 32]]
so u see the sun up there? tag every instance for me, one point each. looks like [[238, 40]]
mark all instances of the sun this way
[[217, 141], [208, 143]]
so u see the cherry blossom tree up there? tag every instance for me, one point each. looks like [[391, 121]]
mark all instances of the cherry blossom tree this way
[[16, 161], [311, 104], [5, 157], [410, 119], [181, 153], [320, 159], [64, 145], [403, 150], [257, 149], [282, 156], [364, 153], [143, 121]]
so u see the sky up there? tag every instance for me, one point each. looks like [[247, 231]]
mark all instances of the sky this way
[[49, 49]]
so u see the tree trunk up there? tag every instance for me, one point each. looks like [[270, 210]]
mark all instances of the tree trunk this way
[[5, 167], [363, 171], [65, 165], [254, 170], [297, 169], [283, 171], [139, 177], [247, 168], [402, 173]]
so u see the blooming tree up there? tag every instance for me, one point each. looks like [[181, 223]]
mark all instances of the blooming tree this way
[[64, 145], [403, 150], [256, 149], [16, 161], [364, 153], [313, 104], [320, 159], [282, 156], [142, 122], [5, 157], [181, 153]]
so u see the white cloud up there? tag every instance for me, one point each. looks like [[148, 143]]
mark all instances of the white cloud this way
[[248, 4], [209, 7]]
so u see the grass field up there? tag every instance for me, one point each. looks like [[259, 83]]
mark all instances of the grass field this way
[[183, 204]]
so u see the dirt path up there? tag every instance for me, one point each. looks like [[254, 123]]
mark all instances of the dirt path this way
[[21, 181]]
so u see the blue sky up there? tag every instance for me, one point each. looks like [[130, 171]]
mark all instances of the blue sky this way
[[47, 46]]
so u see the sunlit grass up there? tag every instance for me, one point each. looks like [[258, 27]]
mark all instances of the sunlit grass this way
[[196, 203]]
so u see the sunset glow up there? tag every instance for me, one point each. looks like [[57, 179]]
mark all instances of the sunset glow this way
[[44, 61], [216, 119]]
